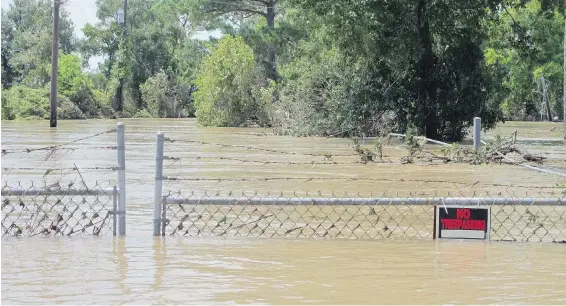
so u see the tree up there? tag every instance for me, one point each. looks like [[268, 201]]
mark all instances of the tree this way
[[26, 42], [526, 42], [225, 95], [234, 12], [156, 35], [69, 73], [428, 51]]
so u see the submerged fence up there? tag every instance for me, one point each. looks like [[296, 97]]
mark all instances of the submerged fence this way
[[512, 219], [535, 218], [59, 210], [78, 209], [67, 208]]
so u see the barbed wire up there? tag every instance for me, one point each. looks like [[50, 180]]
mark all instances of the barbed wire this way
[[309, 179], [271, 194], [59, 169], [266, 162], [326, 155], [56, 147]]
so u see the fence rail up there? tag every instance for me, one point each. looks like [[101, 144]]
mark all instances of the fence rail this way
[[56, 210], [512, 219], [213, 200]]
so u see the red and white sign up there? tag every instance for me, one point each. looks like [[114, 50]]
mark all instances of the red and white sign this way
[[462, 222]]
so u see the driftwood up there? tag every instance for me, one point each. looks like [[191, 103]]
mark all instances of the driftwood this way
[[422, 137], [526, 156], [533, 158], [497, 154]]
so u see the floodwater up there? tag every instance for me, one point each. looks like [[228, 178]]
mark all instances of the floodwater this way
[[140, 269], [143, 270]]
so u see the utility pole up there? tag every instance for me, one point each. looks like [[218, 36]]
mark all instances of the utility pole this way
[[54, 65], [120, 106]]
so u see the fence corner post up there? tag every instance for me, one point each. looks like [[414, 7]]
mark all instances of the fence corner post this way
[[477, 132], [158, 193], [121, 146]]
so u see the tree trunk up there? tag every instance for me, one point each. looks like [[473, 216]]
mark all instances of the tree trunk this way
[[272, 73], [547, 100], [426, 92]]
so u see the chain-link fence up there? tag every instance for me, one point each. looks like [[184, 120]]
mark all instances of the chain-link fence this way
[[540, 218], [57, 210]]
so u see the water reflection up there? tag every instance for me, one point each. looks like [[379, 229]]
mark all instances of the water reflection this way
[[119, 251], [159, 257], [142, 270]]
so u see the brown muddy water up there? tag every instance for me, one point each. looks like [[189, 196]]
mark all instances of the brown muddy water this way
[[142, 270]]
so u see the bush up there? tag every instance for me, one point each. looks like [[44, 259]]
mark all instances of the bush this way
[[83, 97], [7, 112], [68, 110], [164, 97], [79, 88], [26, 103], [225, 95], [326, 97], [21, 102], [103, 103], [143, 113]]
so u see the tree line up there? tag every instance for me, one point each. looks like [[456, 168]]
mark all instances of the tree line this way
[[302, 67]]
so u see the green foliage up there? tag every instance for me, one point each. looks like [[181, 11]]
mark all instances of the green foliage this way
[[26, 103], [305, 67], [78, 88], [143, 113], [165, 98], [314, 99], [21, 102], [421, 62], [225, 86], [69, 74], [7, 111], [411, 143], [158, 39], [366, 155], [27, 39], [255, 20], [68, 110], [526, 43]]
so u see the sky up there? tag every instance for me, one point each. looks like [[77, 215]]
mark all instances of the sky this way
[[84, 11]]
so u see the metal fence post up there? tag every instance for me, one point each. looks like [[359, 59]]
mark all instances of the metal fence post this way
[[120, 129], [158, 193], [477, 131], [163, 216], [114, 209]]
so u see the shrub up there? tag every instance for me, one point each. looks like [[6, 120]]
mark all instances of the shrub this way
[[21, 102], [164, 97], [26, 103], [143, 113], [68, 110], [225, 95]]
